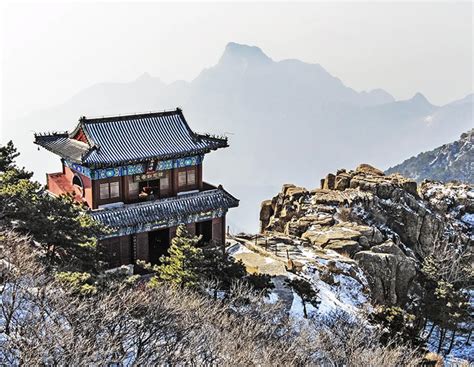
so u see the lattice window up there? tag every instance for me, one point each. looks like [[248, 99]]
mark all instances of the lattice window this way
[[191, 177], [164, 183], [114, 190], [104, 191], [182, 178]]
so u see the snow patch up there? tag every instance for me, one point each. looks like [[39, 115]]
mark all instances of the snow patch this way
[[237, 248], [468, 219]]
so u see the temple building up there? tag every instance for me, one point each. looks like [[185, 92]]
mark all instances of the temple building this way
[[141, 175]]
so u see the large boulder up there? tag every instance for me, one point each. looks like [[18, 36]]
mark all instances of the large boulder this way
[[343, 181], [368, 169], [391, 273], [344, 247], [417, 227], [266, 212], [323, 235], [329, 182]]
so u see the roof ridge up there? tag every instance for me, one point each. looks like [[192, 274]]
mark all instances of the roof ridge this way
[[156, 135], [131, 116]]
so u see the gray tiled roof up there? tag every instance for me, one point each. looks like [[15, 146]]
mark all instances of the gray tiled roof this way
[[128, 139], [133, 218], [62, 145]]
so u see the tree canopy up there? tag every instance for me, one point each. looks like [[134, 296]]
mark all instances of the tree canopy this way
[[60, 225]]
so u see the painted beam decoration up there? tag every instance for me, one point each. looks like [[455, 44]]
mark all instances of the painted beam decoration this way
[[78, 168], [134, 169]]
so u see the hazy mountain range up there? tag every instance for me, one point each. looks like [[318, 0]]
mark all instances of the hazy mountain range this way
[[288, 121], [453, 161]]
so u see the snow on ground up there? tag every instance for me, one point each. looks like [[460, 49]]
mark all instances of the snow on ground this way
[[341, 283], [273, 298], [462, 348], [237, 248], [296, 310], [468, 219], [463, 345], [345, 293]]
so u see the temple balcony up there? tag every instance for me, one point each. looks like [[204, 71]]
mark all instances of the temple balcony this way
[[186, 207]]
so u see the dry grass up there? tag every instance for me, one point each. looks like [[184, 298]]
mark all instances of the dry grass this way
[[43, 324]]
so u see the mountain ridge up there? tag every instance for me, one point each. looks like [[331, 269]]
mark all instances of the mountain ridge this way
[[290, 121], [449, 162]]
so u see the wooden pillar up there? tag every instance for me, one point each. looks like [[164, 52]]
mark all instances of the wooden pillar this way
[[142, 251], [174, 180], [124, 189], [218, 230], [199, 177], [125, 250], [223, 229]]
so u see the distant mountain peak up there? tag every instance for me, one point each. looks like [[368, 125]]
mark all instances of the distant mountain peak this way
[[237, 54], [419, 98], [147, 79], [144, 76]]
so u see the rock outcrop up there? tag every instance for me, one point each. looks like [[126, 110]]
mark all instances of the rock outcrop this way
[[385, 222], [391, 272]]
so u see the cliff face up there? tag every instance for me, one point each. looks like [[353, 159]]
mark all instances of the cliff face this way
[[387, 224], [454, 161]]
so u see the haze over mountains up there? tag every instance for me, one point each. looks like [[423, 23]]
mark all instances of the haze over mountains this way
[[288, 121]]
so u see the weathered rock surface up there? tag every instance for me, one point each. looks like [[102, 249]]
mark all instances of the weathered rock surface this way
[[391, 272], [371, 217]]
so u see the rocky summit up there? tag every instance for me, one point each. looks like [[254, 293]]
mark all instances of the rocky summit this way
[[386, 224]]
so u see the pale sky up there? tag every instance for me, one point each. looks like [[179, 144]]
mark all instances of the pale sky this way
[[52, 51]]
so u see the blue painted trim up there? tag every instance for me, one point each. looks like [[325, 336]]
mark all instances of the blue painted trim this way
[[133, 169], [78, 168]]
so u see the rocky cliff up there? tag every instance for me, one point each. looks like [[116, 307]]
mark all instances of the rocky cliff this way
[[386, 224], [453, 161]]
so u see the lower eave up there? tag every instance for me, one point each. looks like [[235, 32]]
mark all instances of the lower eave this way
[[143, 217]]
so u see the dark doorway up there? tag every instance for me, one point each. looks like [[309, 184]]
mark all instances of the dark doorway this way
[[159, 243], [204, 229]]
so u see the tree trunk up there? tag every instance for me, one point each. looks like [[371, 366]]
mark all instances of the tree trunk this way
[[441, 339], [431, 331], [468, 337], [451, 343], [304, 310], [425, 321]]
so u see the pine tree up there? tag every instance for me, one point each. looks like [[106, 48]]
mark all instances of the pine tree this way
[[183, 264], [261, 283], [8, 154], [396, 324], [219, 267], [445, 302], [60, 225], [306, 292]]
